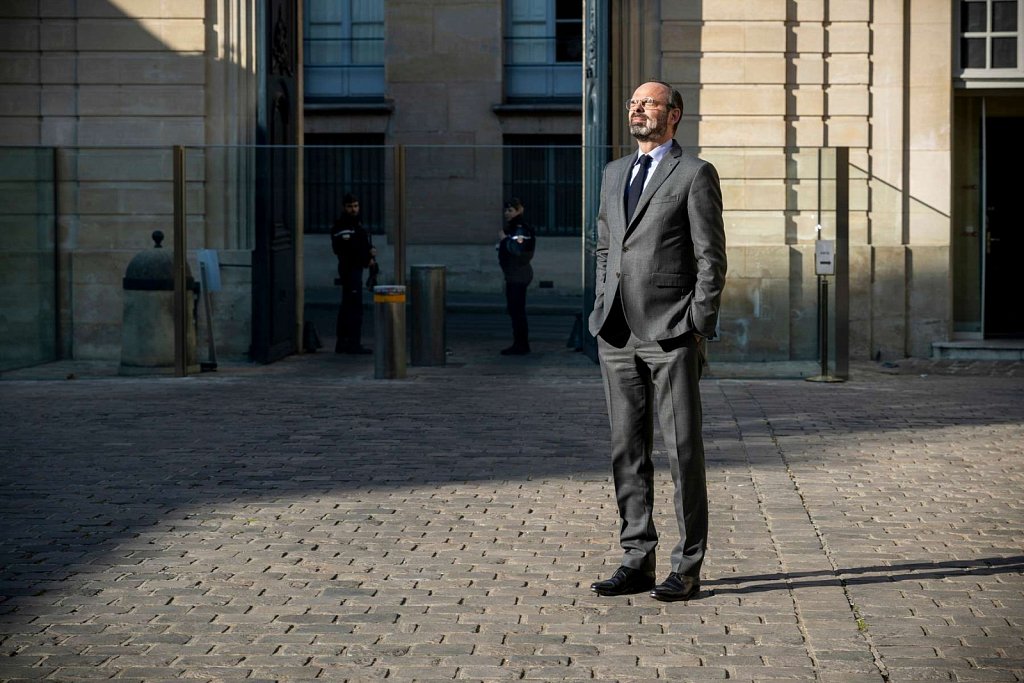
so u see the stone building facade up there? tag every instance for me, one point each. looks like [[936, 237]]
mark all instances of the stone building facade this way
[[908, 87], [783, 77], [926, 94]]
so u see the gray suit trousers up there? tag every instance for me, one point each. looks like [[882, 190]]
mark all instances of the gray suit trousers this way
[[640, 379]]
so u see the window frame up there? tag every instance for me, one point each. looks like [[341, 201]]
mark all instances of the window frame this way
[[536, 79], [359, 80], [987, 76]]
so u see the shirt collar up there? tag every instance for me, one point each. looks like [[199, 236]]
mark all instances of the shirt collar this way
[[656, 154]]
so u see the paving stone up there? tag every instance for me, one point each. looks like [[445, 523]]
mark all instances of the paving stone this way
[[304, 520]]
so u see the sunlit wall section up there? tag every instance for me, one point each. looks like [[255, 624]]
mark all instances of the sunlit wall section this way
[[773, 81]]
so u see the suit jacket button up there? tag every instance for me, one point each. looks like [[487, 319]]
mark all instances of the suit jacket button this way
[[616, 274], [625, 249]]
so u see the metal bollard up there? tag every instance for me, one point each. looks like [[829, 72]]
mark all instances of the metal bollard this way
[[428, 320], [389, 332]]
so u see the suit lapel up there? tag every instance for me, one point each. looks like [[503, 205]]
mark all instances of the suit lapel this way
[[621, 184], [622, 180]]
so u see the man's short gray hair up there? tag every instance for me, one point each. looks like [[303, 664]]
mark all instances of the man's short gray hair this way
[[675, 99]]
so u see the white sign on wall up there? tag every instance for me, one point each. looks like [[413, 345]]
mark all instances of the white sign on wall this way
[[825, 257]]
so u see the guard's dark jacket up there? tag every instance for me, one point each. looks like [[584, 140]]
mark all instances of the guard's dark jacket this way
[[351, 244], [513, 256]]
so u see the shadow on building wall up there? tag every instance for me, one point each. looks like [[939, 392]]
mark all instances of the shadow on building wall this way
[[103, 98]]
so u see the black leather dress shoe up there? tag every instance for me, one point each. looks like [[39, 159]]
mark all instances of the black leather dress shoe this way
[[676, 587], [625, 581]]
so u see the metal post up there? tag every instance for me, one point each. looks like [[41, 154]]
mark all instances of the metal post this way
[[399, 235], [428, 320], [299, 111], [180, 302], [826, 265], [823, 325], [58, 276], [842, 261], [389, 332]]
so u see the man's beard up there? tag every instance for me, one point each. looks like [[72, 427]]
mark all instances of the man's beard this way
[[644, 132]]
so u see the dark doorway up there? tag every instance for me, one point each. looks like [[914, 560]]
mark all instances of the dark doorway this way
[[274, 318], [1004, 227]]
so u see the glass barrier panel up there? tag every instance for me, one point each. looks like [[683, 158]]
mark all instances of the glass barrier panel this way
[[73, 218], [28, 265]]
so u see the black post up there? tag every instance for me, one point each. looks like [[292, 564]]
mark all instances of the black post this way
[[842, 261], [58, 330], [835, 265], [398, 238], [180, 301], [823, 323]]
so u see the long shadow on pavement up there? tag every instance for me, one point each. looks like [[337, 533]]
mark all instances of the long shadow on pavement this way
[[880, 574]]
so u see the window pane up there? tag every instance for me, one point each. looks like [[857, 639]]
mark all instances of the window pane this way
[[526, 51], [368, 11], [1004, 16], [569, 9], [972, 16], [344, 48], [569, 41], [526, 20], [1004, 53], [367, 46], [318, 11], [532, 29], [367, 32], [324, 52], [972, 53], [528, 10]]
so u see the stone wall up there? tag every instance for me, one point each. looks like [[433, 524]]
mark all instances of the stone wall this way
[[112, 85], [782, 75]]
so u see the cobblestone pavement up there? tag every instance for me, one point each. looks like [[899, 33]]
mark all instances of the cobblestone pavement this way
[[304, 521]]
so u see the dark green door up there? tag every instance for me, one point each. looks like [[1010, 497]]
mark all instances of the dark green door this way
[[274, 310]]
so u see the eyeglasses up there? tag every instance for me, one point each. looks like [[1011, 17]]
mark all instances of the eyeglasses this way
[[647, 102]]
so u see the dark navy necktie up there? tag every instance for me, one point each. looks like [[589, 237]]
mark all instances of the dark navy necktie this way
[[636, 188]]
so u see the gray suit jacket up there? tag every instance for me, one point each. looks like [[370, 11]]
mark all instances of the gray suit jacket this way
[[668, 264]]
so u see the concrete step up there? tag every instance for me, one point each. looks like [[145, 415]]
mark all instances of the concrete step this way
[[979, 349]]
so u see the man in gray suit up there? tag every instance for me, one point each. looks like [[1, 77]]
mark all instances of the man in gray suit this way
[[660, 273]]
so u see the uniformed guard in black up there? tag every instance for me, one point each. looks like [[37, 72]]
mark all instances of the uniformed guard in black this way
[[516, 244], [352, 245]]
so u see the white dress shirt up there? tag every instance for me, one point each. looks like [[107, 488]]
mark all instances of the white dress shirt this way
[[656, 155]]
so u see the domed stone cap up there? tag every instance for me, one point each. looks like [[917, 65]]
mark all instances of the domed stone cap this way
[[153, 269]]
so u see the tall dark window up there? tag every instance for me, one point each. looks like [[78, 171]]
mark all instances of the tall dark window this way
[[545, 172], [336, 164], [543, 49], [344, 49]]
